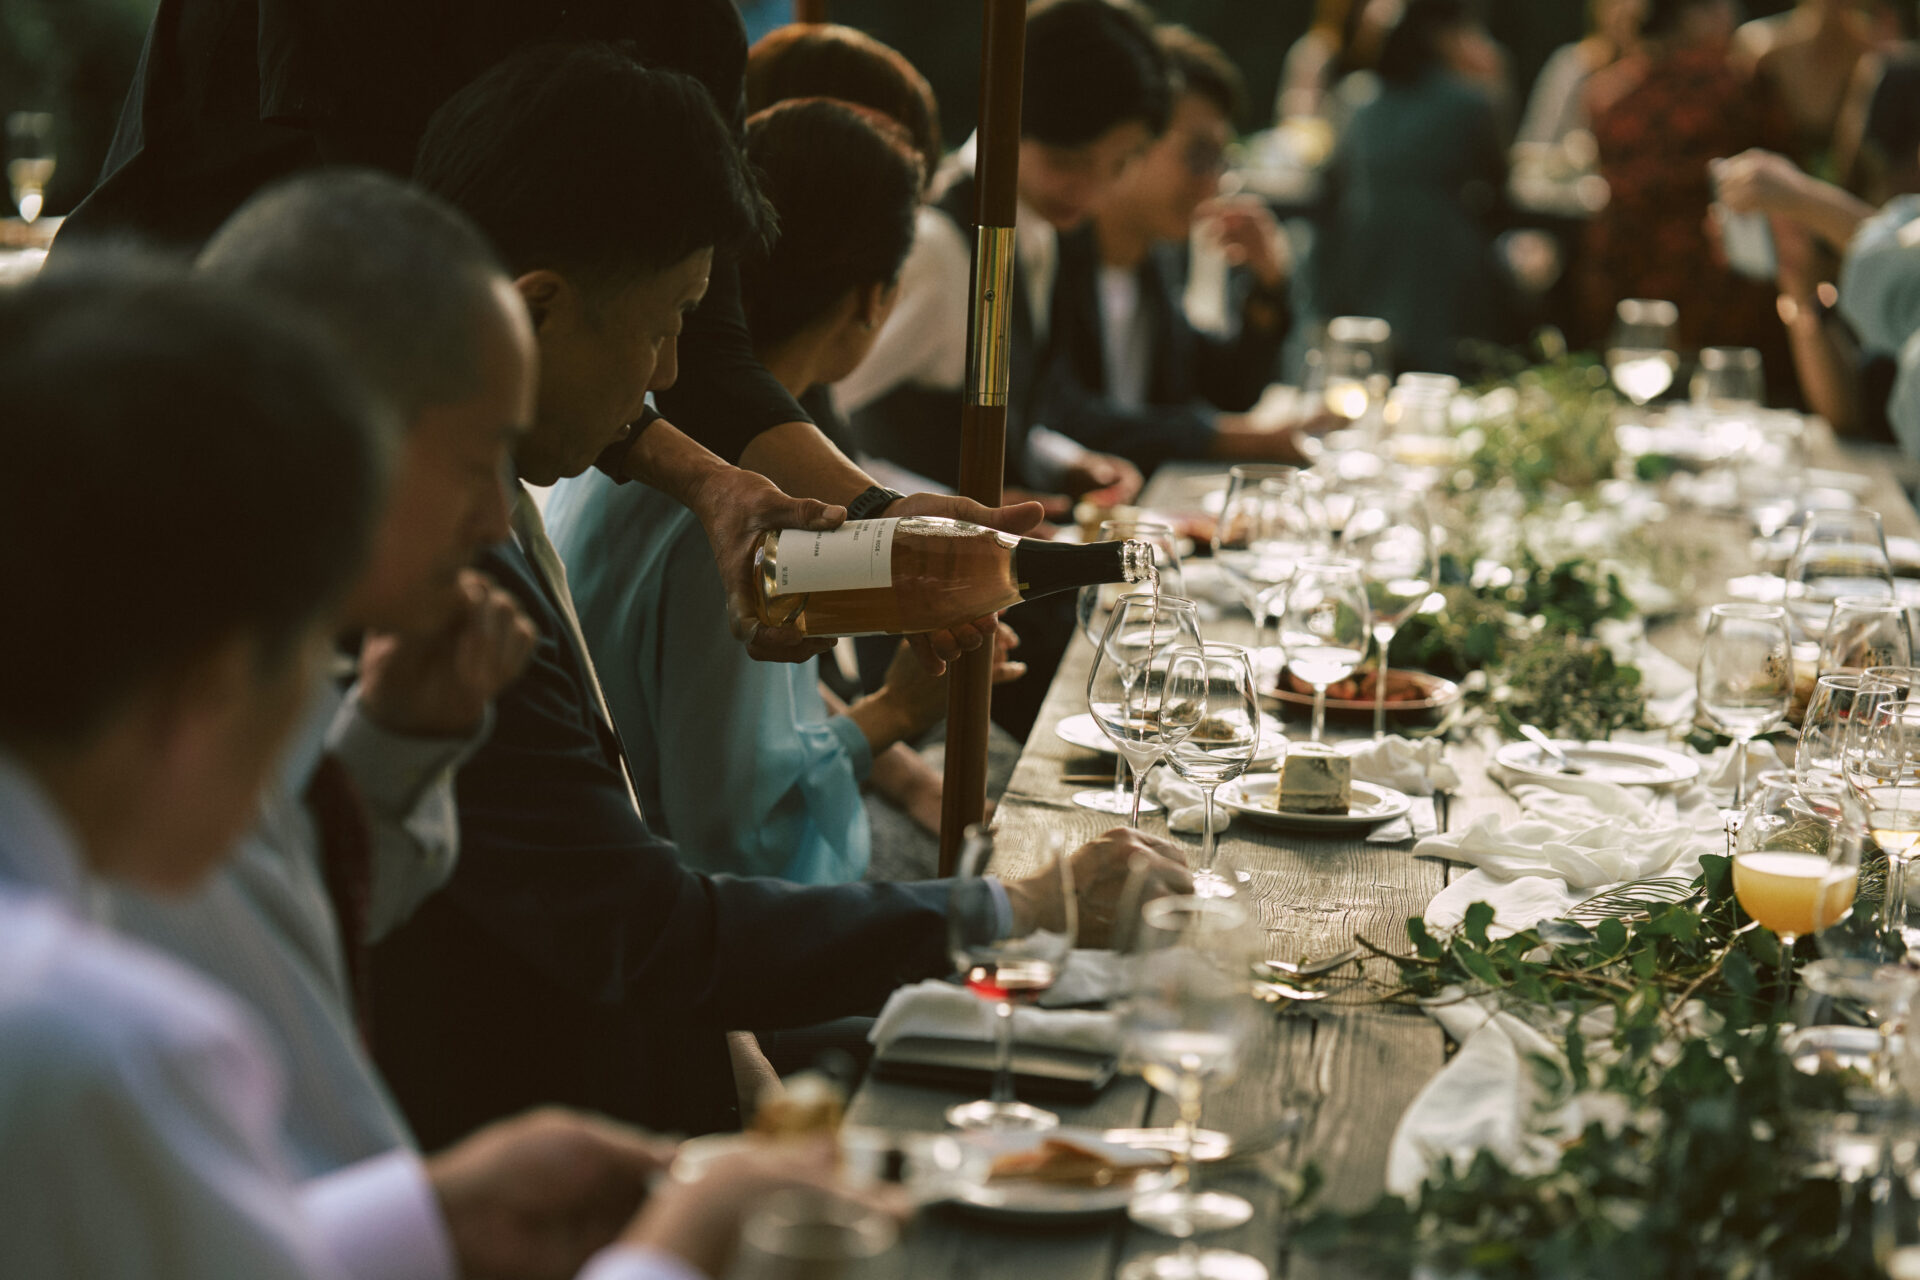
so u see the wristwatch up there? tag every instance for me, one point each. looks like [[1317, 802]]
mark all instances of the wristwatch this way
[[872, 502]]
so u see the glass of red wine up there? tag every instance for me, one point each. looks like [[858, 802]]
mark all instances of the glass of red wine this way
[[1011, 971]]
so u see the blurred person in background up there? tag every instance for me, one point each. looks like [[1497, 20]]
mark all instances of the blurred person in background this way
[[1557, 105], [1131, 375], [1806, 59], [1317, 80], [1660, 118], [1415, 193], [1879, 131]]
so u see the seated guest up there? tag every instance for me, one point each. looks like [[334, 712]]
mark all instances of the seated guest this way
[[1095, 95], [699, 717], [419, 306], [1880, 300], [826, 60], [1130, 374], [146, 706], [1556, 108], [572, 957]]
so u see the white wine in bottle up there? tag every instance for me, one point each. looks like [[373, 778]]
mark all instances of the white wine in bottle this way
[[921, 573]]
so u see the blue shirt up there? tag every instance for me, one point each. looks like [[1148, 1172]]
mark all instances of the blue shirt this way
[[1880, 298], [738, 761]]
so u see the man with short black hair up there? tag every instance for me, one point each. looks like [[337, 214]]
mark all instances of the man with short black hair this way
[[571, 956]]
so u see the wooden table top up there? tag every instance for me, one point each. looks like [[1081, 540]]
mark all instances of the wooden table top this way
[[1342, 1074]]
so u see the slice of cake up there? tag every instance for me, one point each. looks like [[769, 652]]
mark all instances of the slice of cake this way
[[1314, 778]]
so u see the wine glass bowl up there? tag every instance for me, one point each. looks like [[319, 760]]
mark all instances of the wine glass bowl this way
[[1006, 972], [1220, 748], [1864, 632], [1745, 677], [1796, 859], [1325, 625], [1270, 519], [1140, 690], [1095, 606], [1840, 553], [1390, 533], [1841, 704], [1882, 765], [1728, 378], [1640, 352]]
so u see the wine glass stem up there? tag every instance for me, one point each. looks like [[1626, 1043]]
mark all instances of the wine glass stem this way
[[1003, 1051], [1139, 790], [1119, 780], [1785, 1003], [1319, 710], [1190, 1086], [1206, 838], [1384, 636], [1740, 772], [1897, 897]]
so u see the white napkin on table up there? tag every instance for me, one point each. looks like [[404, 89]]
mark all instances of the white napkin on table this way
[[1411, 768], [935, 1008], [1185, 806]]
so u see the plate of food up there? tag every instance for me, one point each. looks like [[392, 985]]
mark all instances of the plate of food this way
[[1616, 762], [1413, 697], [1081, 731], [1056, 1175], [1314, 791]]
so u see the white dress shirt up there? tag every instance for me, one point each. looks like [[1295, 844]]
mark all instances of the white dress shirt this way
[[263, 926], [140, 1112]]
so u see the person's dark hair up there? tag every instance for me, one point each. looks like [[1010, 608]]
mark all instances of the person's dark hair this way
[[1198, 65], [844, 182], [1663, 17], [397, 279], [185, 465], [1413, 47], [823, 60], [577, 159], [1091, 65]]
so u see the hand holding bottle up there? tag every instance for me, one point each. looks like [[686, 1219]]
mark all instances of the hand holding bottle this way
[[737, 507], [936, 649]]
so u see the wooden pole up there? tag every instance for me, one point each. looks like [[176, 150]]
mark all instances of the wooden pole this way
[[983, 420], [809, 10]]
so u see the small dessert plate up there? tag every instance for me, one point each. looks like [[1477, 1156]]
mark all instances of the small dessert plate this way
[[1081, 731], [1252, 795], [1019, 1200], [1615, 762]]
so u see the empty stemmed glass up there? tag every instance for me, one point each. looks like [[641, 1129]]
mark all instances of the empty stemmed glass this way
[[1185, 1025], [1745, 677], [1141, 691], [1008, 971], [1095, 607], [1355, 360], [1883, 767], [1269, 521], [1796, 861], [1324, 626], [1841, 705], [1221, 748], [1640, 351], [1391, 536], [1840, 553], [1864, 632]]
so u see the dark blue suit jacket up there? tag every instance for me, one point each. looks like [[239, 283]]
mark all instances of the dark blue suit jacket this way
[[573, 959]]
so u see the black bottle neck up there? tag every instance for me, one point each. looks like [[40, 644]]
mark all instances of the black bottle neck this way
[[1042, 568]]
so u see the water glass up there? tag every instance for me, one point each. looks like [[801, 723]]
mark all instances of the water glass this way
[[806, 1234], [1840, 553], [1729, 378], [1095, 606], [1864, 632], [1841, 705], [1145, 690], [1745, 677], [1221, 749], [1882, 766], [1640, 352], [1391, 535], [1325, 623], [1354, 359]]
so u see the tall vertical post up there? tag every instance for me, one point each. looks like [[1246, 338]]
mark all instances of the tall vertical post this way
[[983, 420], [809, 10]]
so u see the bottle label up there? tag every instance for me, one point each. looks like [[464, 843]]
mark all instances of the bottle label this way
[[857, 556]]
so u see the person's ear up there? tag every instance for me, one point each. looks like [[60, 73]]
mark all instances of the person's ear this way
[[547, 294], [874, 302]]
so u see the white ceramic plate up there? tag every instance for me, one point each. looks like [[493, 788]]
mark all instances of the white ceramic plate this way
[[1252, 795], [1035, 1201], [1603, 762], [1081, 731]]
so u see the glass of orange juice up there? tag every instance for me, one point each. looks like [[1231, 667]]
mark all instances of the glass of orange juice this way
[[1796, 861]]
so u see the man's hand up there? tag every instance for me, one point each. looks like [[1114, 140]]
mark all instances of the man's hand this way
[[1762, 180], [699, 1222], [1120, 870], [1250, 236], [735, 507], [936, 649], [534, 1197], [439, 685], [1104, 479]]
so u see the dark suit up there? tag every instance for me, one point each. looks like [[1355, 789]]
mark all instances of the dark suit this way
[[1192, 374], [573, 959]]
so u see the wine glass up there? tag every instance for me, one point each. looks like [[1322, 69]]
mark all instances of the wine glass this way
[[1270, 519], [1221, 748], [801, 1232], [1186, 1024], [1354, 358], [1136, 681], [1883, 767], [1728, 378], [1391, 536], [1903, 679], [30, 160], [1745, 677], [1863, 632], [1840, 553], [1796, 860], [1840, 705], [1324, 625], [1640, 353], [1095, 606], [1007, 972]]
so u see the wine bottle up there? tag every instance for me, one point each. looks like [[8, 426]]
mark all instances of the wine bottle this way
[[921, 573]]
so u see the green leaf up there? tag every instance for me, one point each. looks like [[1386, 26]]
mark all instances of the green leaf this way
[[1479, 915]]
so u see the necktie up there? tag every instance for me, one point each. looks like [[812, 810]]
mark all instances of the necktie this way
[[346, 867], [531, 532]]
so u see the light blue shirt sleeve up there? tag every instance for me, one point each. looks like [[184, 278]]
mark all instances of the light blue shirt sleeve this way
[[1880, 278]]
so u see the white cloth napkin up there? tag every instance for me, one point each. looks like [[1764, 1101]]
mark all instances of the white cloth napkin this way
[[1411, 768], [935, 1008], [1186, 808], [1576, 837]]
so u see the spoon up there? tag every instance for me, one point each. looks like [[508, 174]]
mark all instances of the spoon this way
[[1553, 752], [1314, 968]]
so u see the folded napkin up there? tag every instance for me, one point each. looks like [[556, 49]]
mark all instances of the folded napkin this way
[[935, 1008], [1185, 806], [1718, 770], [1409, 767], [1575, 837]]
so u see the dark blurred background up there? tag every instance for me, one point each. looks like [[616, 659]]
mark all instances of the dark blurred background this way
[[73, 58]]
